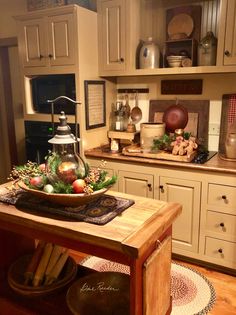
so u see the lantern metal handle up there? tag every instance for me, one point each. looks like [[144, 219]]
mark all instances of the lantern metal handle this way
[[52, 112]]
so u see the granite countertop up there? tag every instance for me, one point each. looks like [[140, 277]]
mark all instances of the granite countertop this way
[[215, 164]]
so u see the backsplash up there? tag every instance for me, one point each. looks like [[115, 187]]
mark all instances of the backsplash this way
[[215, 111], [214, 86]]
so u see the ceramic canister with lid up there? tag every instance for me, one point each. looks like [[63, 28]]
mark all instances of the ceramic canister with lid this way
[[148, 132], [230, 146], [149, 56]]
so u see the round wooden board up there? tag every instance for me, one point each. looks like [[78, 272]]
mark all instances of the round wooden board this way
[[180, 24]]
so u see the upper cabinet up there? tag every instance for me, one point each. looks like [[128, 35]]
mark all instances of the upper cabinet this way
[[112, 35], [48, 40], [124, 25], [230, 34]]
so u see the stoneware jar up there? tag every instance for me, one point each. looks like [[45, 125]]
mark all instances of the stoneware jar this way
[[230, 146], [148, 132], [149, 57]]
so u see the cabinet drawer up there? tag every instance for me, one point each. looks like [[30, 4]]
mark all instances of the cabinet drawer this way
[[222, 197], [222, 224], [222, 251]]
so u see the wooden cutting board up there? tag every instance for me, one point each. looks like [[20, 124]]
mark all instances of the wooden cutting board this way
[[135, 150]]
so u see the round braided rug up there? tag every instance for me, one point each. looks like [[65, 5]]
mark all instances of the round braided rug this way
[[192, 293]]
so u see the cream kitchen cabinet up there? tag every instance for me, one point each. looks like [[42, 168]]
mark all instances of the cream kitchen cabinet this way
[[117, 32], [186, 227], [206, 227], [112, 33], [47, 39], [136, 183], [124, 24], [228, 26], [219, 221]]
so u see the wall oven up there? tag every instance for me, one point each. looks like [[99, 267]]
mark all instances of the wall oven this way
[[48, 87], [37, 134]]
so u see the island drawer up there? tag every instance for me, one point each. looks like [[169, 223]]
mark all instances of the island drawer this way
[[221, 250], [222, 224], [222, 197]]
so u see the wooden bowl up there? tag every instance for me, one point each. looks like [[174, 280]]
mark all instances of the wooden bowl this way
[[100, 293], [175, 117], [71, 200], [15, 278]]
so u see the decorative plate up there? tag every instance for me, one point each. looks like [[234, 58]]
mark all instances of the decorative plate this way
[[64, 199], [180, 24], [16, 278], [100, 293]]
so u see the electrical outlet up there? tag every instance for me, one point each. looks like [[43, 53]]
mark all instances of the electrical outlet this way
[[214, 129]]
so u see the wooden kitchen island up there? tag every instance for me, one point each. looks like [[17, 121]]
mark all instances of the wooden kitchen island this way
[[140, 237]]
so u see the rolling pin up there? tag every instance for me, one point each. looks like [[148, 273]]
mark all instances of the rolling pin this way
[[58, 267], [33, 264], [40, 271], [56, 252]]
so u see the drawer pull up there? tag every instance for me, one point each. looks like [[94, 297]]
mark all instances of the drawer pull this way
[[161, 188], [224, 197], [149, 187], [227, 53], [220, 250]]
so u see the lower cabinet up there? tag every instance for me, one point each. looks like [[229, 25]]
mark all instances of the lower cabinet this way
[[136, 183], [206, 228], [186, 227], [219, 221]]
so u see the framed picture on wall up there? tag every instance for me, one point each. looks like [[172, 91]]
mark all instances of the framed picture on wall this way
[[95, 104]]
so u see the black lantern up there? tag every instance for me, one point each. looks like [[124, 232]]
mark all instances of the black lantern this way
[[64, 163]]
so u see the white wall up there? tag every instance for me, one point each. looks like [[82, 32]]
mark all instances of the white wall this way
[[8, 9]]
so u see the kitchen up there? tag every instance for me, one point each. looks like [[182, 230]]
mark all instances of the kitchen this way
[[215, 85]]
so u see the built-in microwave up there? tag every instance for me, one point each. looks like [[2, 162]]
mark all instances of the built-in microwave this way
[[49, 87]]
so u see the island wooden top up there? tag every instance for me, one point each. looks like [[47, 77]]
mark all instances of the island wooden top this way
[[128, 233], [215, 164]]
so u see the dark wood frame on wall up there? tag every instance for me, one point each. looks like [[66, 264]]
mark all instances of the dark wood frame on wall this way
[[92, 107]]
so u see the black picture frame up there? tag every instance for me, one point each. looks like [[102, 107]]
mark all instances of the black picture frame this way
[[95, 103]]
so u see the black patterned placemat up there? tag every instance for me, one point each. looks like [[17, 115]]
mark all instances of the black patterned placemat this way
[[99, 211]]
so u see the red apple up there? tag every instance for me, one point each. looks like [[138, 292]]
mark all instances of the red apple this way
[[78, 186], [42, 167], [36, 182]]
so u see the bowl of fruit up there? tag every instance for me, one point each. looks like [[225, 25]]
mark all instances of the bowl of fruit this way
[[75, 190]]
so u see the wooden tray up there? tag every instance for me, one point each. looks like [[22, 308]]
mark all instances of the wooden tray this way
[[72, 200], [135, 150]]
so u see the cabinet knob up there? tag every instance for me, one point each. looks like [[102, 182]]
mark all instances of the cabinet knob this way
[[224, 197], [227, 53], [220, 250], [149, 187], [121, 60], [40, 56], [222, 224], [50, 56], [161, 188]]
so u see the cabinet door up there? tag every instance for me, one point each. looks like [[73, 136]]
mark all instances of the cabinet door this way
[[186, 227], [136, 183], [61, 40], [33, 43], [113, 36], [230, 34]]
